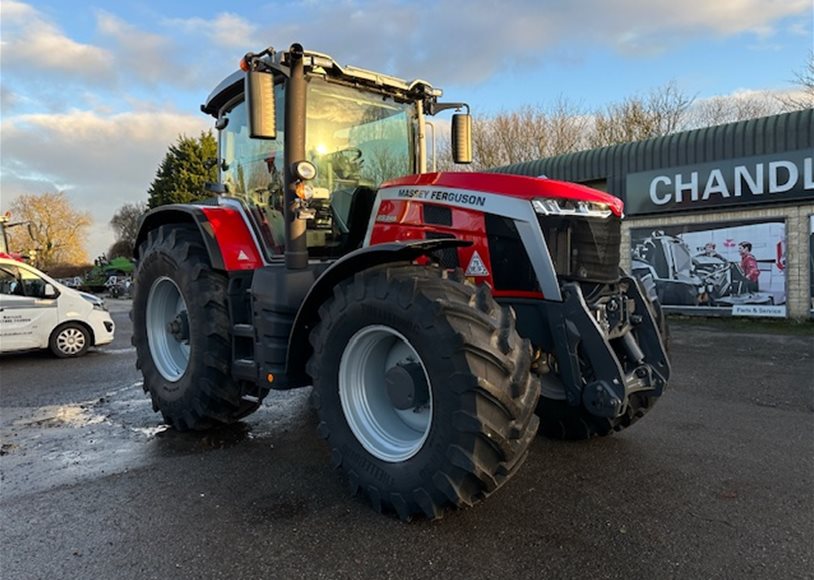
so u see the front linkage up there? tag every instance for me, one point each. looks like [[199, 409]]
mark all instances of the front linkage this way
[[607, 350]]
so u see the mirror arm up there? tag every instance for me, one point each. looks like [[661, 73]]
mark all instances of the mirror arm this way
[[435, 107]]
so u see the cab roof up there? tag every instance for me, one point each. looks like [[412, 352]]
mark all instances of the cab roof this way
[[322, 64]]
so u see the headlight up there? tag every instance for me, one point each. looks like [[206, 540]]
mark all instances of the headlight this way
[[576, 207], [96, 302], [304, 170]]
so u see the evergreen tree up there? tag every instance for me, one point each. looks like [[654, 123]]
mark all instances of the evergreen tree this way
[[181, 176]]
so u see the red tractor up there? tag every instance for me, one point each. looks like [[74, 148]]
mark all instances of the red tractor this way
[[440, 317]]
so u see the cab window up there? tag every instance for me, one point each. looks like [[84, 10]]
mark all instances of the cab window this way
[[10, 282], [33, 285], [16, 281], [254, 171]]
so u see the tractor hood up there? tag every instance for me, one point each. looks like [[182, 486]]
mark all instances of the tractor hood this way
[[518, 186]]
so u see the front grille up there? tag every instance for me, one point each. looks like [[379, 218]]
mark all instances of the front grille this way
[[511, 267], [584, 249]]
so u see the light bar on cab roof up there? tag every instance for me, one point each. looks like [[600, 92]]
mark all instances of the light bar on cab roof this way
[[574, 207]]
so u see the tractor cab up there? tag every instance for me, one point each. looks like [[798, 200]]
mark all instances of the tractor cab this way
[[350, 128]]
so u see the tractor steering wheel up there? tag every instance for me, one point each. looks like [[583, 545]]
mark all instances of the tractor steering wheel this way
[[347, 163]]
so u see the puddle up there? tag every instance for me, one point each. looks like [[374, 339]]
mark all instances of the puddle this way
[[61, 416], [117, 431]]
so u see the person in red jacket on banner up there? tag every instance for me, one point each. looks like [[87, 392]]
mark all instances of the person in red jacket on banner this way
[[749, 266]]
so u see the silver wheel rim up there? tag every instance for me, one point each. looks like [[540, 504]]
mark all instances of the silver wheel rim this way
[[165, 304], [71, 341], [386, 432]]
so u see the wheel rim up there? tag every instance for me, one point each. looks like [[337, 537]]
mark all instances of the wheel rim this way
[[168, 329], [387, 432], [71, 341]]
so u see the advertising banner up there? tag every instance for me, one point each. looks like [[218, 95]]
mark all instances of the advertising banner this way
[[776, 178], [738, 266]]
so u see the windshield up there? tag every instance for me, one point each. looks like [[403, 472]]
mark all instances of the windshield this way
[[682, 259], [355, 137]]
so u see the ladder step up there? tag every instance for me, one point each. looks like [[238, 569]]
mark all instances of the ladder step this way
[[244, 369], [243, 330]]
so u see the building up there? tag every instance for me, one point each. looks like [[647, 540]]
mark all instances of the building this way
[[721, 217]]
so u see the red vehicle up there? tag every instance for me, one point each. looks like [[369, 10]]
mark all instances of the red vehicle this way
[[440, 317]]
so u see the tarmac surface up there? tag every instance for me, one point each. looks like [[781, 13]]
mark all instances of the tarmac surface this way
[[717, 482]]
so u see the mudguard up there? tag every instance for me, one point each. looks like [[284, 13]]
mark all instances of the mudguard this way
[[224, 231]]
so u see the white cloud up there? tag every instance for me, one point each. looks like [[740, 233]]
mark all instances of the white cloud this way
[[226, 30], [32, 42], [467, 41], [13, 10], [150, 58], [100, 161]]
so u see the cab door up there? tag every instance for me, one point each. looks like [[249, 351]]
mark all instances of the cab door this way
[[27, 317]]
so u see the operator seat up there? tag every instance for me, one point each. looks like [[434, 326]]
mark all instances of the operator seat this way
[[361, 206]]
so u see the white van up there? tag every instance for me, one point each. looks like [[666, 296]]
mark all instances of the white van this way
[[36, 312]]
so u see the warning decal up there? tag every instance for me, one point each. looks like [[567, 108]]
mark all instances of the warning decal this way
[[242, 256], [476, 266]]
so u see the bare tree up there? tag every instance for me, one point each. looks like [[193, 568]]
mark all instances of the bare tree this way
[[804, 79], [125, 222], [636, 118], [120, 249], [530, 132], [537, 131], [731, 108]]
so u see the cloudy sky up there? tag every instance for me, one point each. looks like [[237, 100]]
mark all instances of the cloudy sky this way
[[93, 92]]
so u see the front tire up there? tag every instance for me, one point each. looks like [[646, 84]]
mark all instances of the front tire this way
[[69, 340], [181, 332], [423, 389]]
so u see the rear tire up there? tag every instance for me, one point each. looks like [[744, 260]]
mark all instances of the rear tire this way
[[474, 427], [188, 379]]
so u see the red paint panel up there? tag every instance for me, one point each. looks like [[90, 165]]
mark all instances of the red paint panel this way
[[234, 238], [520, 186], [404, 220]]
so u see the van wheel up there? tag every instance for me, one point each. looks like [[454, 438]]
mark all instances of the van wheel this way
[[69, 340]]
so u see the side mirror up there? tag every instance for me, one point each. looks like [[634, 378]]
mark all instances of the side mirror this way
[[50, 291], [260, 105], [462, 138]]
